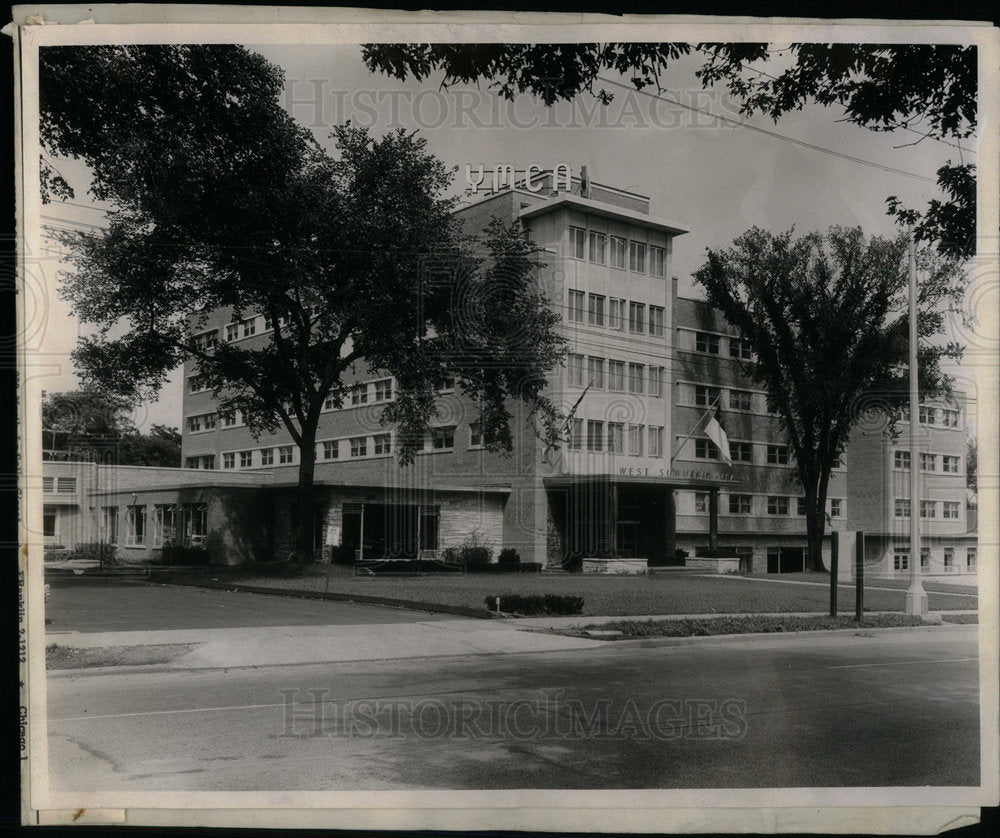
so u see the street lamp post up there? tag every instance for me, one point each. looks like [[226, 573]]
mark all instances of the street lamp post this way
[[916, 598]]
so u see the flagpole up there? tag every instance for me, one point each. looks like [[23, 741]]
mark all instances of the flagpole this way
[[695, 428]]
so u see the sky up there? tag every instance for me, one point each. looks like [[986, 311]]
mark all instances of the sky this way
[[809, 171]]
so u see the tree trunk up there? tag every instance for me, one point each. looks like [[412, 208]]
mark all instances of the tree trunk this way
[[302, 514], [816, 525]]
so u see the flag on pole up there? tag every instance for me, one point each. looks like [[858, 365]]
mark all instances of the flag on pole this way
[[718, 436]]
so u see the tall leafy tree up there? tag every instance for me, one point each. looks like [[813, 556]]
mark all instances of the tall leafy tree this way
[[826, 315], [926, 90], [221, 201]]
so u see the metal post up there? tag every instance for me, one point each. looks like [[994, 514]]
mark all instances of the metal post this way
[[859, 576], [834, 556], [713, 519], [916, 598]]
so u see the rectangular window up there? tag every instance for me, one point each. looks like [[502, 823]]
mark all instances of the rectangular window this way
[[950, 509], [576, 299], [285, 454], [329, 403], [576, 435], [135, 526], [595, 435], [902, 508], [192, 462], [701, 501], [900, 558], [704, 342], [196, 384], [705, 450], [657, 261], [430, 521], [209, 421], [383, 390], [475, 435], [949, 464], [635, 440], [705, 396], [267, 456], [636, 375], [48, 484], [656, 321], [208, 462], [595, 370], [616, 437], [655, 439], [928, 462], [230, 420], [836, 507], [65, 485], [194, 424], [901, 460], [331, 450], [443, 439], [637, 257], [656, 381], [617, 252], [800, 506], [229, 460], [598, 247], [740, 349], [928, 509], [163, 525], [359, 394], [383, 443], [925, 559], [777, 505], [232, 331], [49, 528], [740, 400], [741, 452], [359, 446], [616, 376], [928, 415], [637, 318], [777, 455], [971, 559], [949, 418], [575, 370], [249, 326], [595, 310], [949, 558], [740, 504], [246, 459], [616, 314], [577, 242]]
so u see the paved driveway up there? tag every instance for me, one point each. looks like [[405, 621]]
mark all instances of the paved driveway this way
[[99, 605]]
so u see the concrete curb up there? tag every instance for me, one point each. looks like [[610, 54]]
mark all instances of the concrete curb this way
[[330, 596]]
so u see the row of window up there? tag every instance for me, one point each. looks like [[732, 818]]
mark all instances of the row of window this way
[[710, 343], [950, 509], [945, 417], [184, 524], [61, 485], [600, 311], [591, 370], [742, 452], [901, 559], [617, 251], [774, 504], [928, 462], [616, 438]]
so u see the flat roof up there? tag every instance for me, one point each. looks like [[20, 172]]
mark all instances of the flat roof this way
[[566, 201]]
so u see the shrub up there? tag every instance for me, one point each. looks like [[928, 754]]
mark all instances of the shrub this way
[[509, 560], [179, 554], [99, 551], [573, 564], [342, 554], [451, 555], [535, 605], [476, 553]]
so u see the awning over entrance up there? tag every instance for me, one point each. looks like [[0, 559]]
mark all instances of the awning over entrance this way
[[628, 515]]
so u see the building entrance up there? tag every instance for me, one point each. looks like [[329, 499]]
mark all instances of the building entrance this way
[[390, 530]]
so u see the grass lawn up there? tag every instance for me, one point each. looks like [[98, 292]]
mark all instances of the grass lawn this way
[[630, 629], [668, 593]]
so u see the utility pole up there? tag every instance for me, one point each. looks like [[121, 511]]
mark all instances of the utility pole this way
[[916, 598]]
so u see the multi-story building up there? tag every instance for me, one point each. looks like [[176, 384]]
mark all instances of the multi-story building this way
[[631, 481]]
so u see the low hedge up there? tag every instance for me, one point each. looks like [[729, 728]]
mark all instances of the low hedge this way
[[536, 605]]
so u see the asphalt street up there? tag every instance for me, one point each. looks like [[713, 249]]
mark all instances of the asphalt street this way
[[852, 709]]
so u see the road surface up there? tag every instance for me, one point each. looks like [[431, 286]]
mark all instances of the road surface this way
[[882, 709]]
